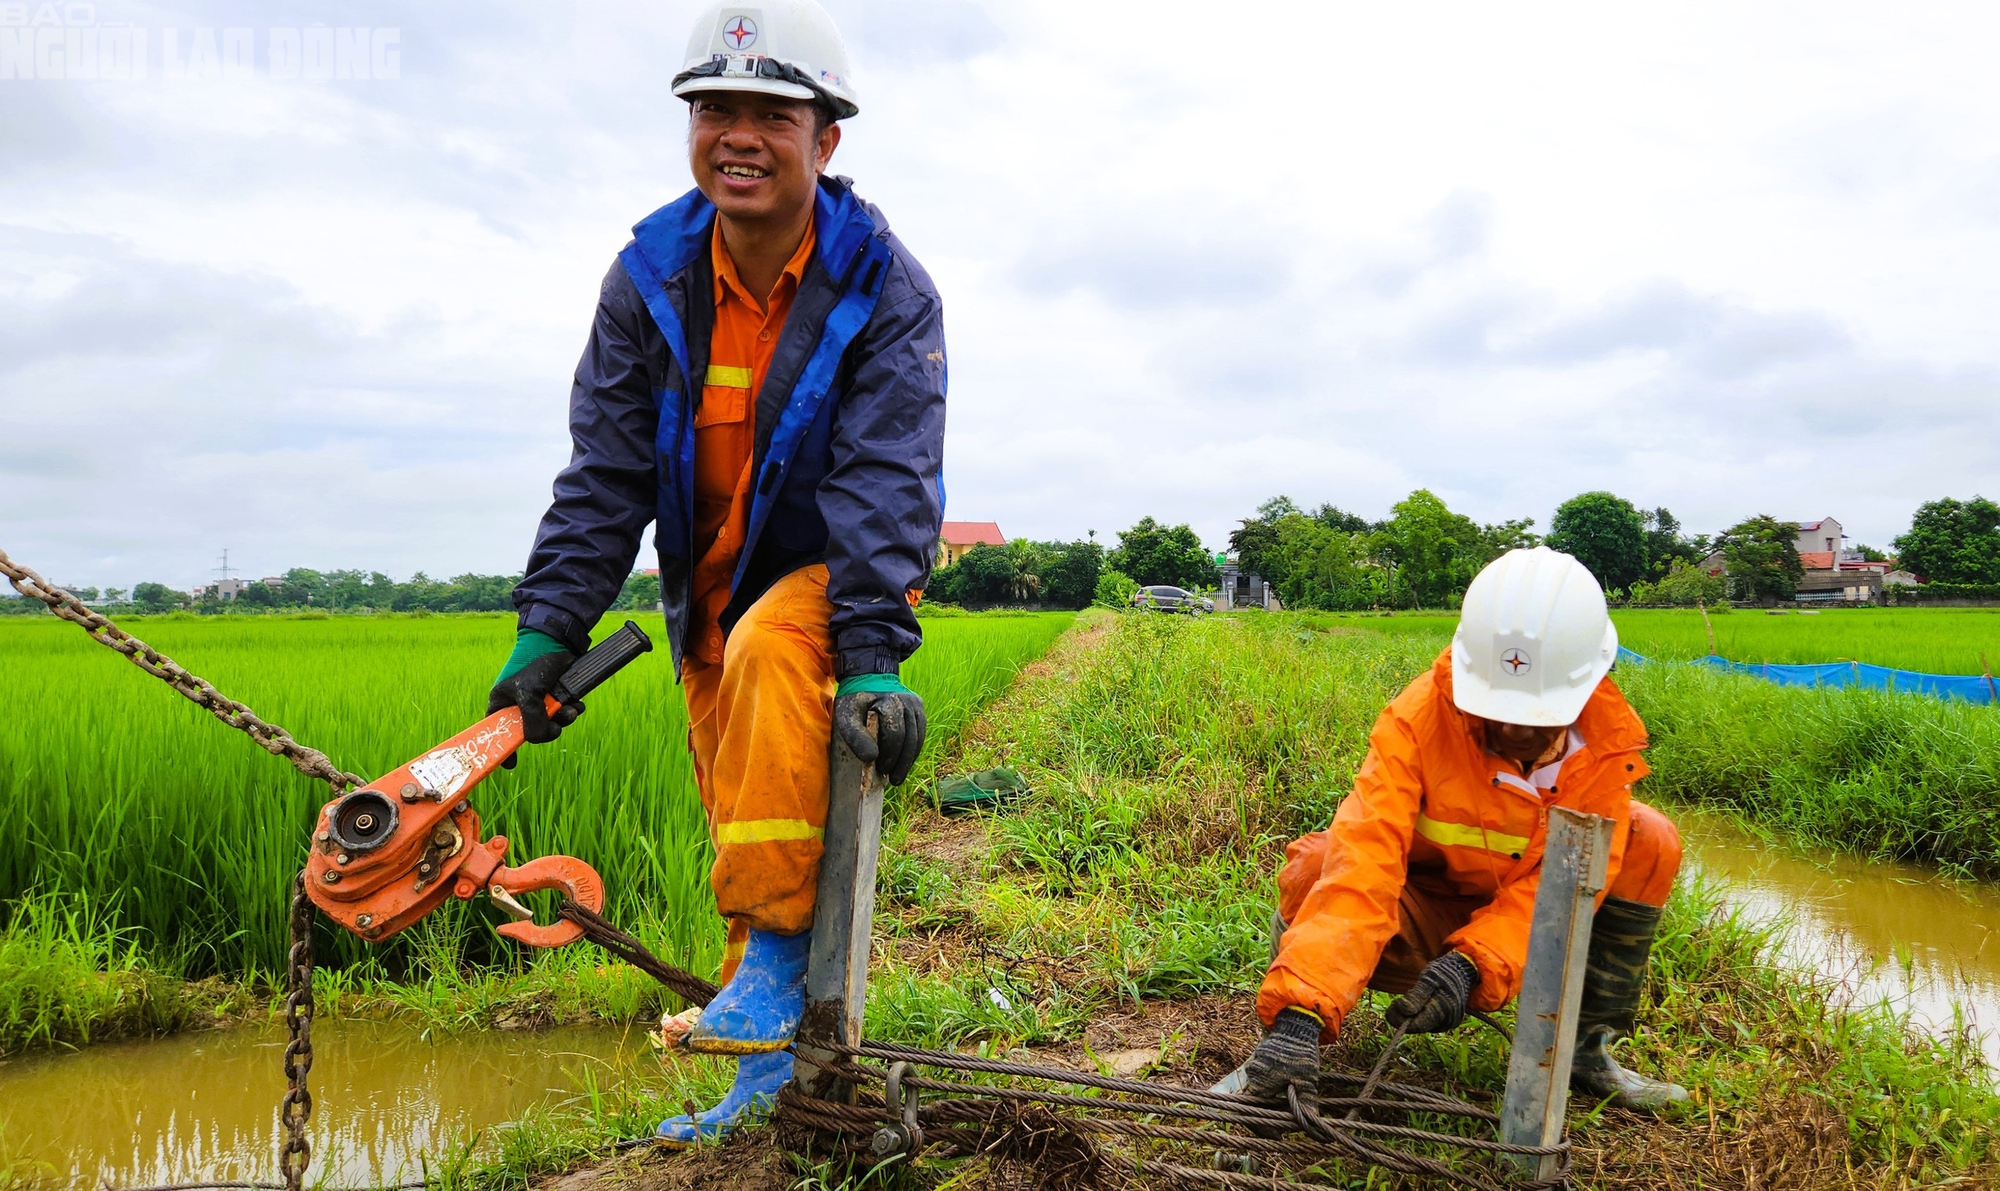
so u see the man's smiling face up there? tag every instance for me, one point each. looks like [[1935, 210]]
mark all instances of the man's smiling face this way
[[757, 157]]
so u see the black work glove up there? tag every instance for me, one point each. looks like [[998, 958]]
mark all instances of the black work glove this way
[[1437, 1003], [527, 688], [1288, 1056], [899, 723]]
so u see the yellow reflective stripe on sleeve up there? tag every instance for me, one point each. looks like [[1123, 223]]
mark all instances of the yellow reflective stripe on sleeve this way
[[765, 831], [723, 376], [1460, 835]]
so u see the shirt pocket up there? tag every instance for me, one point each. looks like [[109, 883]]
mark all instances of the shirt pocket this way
[[721, 404]]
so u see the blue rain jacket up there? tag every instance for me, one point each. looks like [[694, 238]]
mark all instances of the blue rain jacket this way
[[848, 464]]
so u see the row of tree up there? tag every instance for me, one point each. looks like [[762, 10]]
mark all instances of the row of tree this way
[[1423, 555], [1075, 574]]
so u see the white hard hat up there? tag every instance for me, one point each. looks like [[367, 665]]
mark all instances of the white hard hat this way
[[1533, 640], [782, 47]]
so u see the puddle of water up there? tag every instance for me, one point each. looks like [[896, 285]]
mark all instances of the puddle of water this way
[[204, 1105], [1893, 932]]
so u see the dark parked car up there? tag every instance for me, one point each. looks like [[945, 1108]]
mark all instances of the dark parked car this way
[[1171, 599]]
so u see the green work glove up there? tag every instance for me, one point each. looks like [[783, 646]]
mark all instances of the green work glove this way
[[531, 672], [899, 723]]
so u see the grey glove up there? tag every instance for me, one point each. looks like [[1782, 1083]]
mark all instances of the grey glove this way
[[1437, 1003], [1288, 1056], [899, 723]]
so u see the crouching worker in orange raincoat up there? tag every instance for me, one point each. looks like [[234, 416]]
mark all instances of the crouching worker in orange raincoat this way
[[1425, 883]]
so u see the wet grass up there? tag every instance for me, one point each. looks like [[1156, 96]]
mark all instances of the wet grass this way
[[1125, 903], [70, 976], [1172, 761], [1890, 776]]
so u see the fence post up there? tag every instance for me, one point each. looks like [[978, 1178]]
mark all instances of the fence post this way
[[1573, 868], [843, 917]]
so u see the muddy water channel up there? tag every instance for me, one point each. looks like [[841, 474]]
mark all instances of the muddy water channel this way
[[204, 1105], [1927, 945]]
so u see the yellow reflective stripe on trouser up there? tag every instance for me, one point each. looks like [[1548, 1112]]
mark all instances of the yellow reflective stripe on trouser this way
[[1447, 834], [764, 831], [727, 377]]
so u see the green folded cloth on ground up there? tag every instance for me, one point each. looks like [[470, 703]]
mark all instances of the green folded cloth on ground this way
[[987, 790]]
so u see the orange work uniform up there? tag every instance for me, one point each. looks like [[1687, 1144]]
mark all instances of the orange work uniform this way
[[1439, 848], [760, 701]]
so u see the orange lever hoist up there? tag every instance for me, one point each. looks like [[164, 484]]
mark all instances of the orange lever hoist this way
[[385, 855]]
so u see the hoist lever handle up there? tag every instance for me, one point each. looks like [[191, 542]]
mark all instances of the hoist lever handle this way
[[605, 658]]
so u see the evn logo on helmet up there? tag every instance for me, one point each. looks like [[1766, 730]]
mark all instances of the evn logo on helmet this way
[[740, 32]]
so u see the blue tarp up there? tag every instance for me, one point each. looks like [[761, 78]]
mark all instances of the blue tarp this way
[[1973, 688]]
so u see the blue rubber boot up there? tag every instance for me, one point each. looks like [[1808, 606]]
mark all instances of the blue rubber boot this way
[[758, 1011], [758, 1078]]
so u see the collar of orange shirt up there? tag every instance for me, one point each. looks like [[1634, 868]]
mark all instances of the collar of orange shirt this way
[[726, 279]]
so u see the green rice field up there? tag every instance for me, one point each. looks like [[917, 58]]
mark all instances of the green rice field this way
[[1930, 640], [116, 790]]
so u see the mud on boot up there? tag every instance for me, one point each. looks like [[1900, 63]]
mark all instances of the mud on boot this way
[[758, 1078], [758, 1011], [1621, 942]]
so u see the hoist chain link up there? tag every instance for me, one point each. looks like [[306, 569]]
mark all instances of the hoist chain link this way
[[295, 1111]]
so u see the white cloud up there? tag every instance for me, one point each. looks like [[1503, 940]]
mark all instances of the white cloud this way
[[1728, 260]]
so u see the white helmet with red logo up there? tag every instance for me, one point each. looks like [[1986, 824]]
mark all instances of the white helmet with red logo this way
[[1533, 641], [781, 47]]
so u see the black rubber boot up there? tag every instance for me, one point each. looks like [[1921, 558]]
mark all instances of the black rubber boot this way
[[1621, 940]]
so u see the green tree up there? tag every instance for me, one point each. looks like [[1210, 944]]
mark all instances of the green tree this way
[[1666, 544], [1683, 586], [1604, 533], [641, 592], [1434, 552], [1069, 574], [1952, 541], [1155, 554], [985, 576], [1762, 558], [1115, 588], [158, 597]]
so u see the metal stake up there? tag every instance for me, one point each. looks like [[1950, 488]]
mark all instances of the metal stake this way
[[1573, 871], [843, 916]]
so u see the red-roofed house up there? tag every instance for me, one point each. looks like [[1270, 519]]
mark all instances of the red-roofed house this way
[[960, 536], [1823, 536]]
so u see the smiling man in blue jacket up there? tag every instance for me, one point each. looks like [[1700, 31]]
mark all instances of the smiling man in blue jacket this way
[[765, 382]]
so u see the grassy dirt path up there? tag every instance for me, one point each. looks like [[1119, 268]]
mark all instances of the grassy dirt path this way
[[1116, 920]]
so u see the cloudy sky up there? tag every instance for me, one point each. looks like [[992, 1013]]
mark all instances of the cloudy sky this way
[[1727, 258]]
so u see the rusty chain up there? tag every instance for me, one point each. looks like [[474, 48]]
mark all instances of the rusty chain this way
[[295, 1111], [270, 737]]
